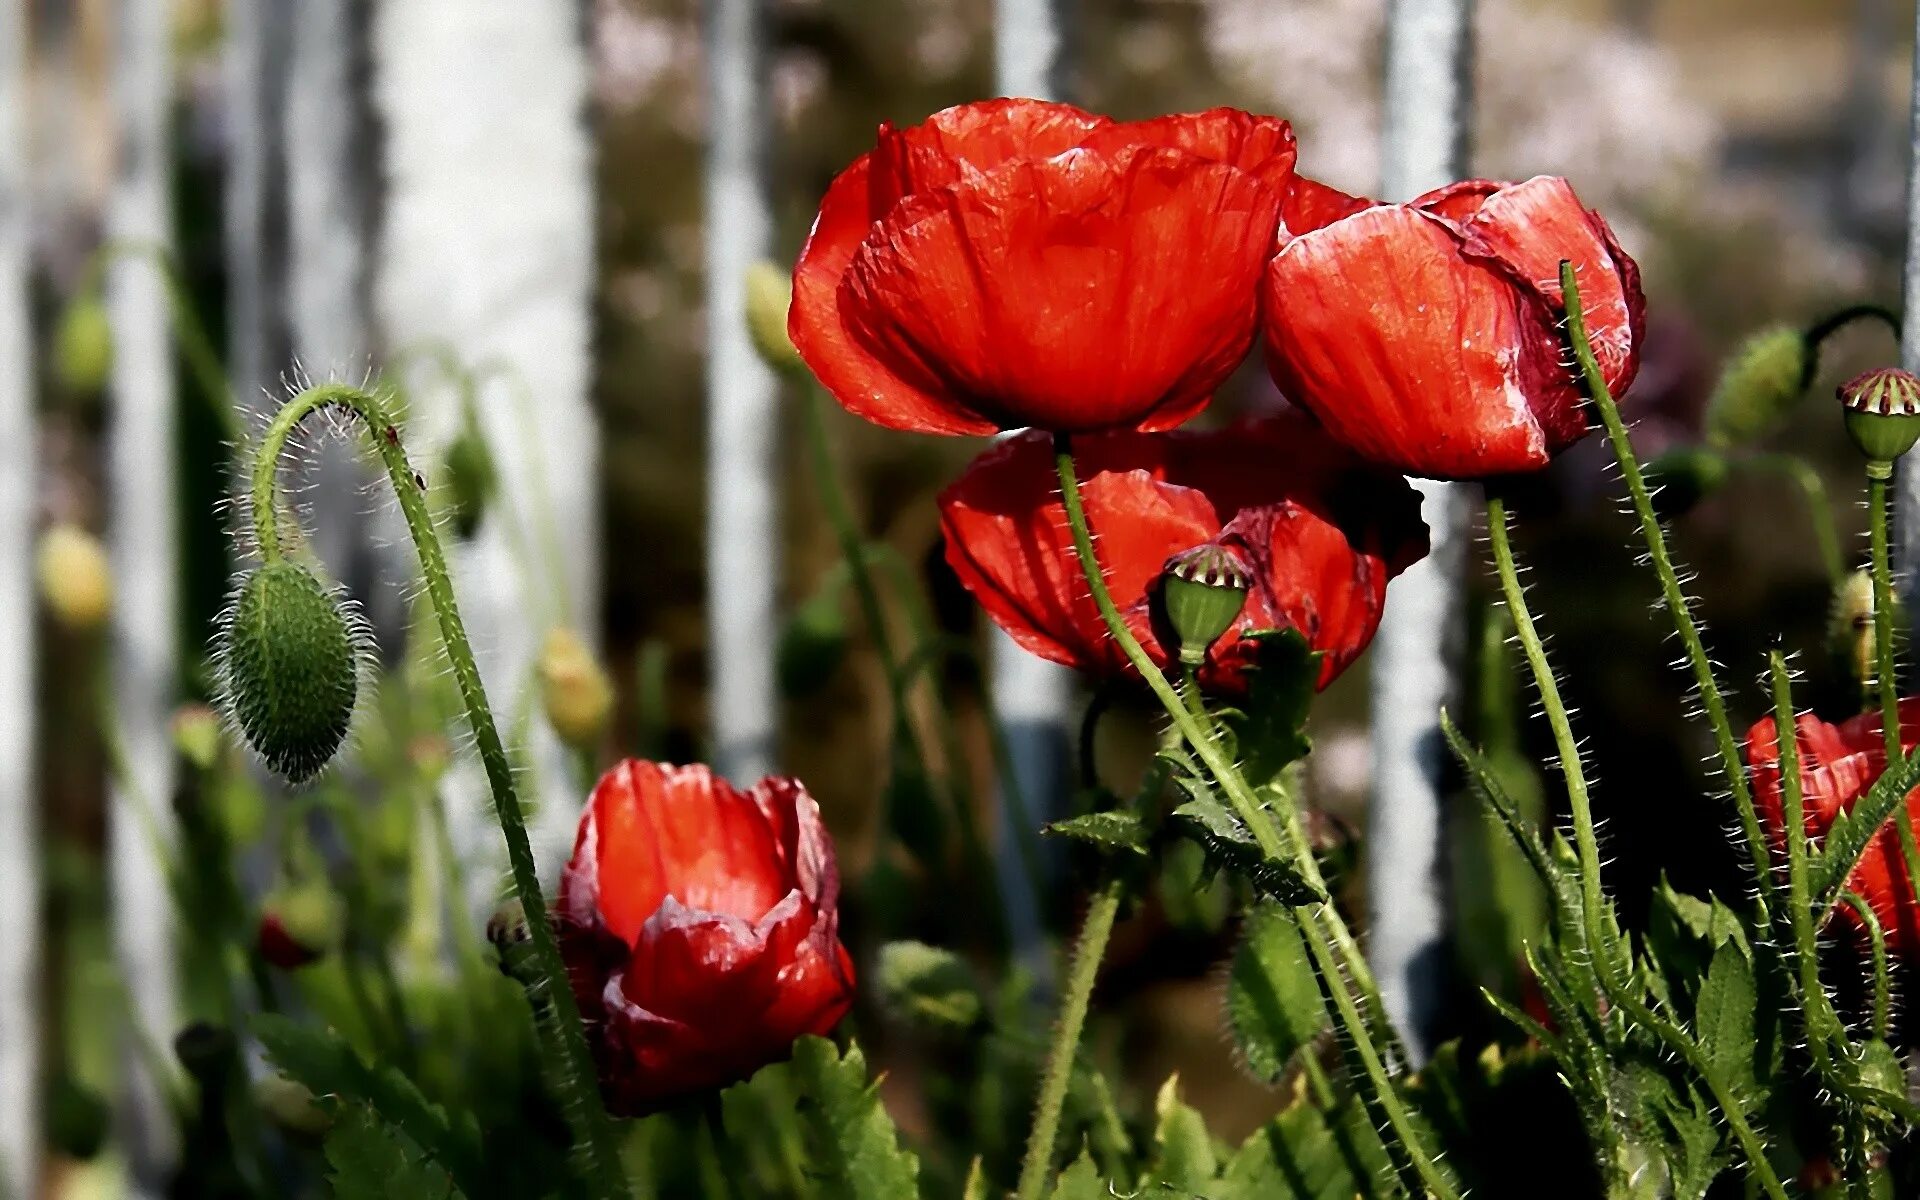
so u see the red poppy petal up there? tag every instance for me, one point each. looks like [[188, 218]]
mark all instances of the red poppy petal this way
[[1411, 354], [967, 139], [804, 846], [1262, 146], [1312, 205], [706, 967], [1076, 294], [1458, 202]]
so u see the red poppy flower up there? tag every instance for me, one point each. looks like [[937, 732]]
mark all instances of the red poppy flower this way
[[700, 926], [1016, 263], [1838, 765], [1426, 335], [1319, 532]]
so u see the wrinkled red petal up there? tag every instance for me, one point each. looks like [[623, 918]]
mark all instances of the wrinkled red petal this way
[[968, 139], [1312, 205], [1458, 202], [1262, 146], [1078, 293]]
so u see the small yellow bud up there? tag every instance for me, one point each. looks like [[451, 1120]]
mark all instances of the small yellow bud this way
[[83, 346], [769, 296], [75, 580], [576, 691], [196, 735]]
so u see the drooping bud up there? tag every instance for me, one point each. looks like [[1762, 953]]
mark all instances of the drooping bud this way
[[1202, 591], [289, 663], [1883, 415], [471, 480], [291, 1107], [769, 296], [83, 346], [196, 735], [75, 580], [574, 688], [1759, 386], [1683, 477], [299, 925], [814, 642]]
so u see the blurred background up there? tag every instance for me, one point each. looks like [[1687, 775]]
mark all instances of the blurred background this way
[[501, 206]]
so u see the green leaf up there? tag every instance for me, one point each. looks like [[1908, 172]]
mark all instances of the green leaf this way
[[1081, 1181], [1230, 845], [854, 1147], [1695, 1156], [929, 986], [323, 1062], [1183, 1154], [977, 1187], [1854, 830], [1304, 1154], [369, 1160], [1723, 1016], [1273, 1002], [1115, 831], [1271, 729]]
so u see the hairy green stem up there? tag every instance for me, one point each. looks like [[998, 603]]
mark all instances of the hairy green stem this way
[[1823, 1027], [1886, 678], [1877, 944], [1813, 490], [1081, 973], [1678, 606], [572, 1068]]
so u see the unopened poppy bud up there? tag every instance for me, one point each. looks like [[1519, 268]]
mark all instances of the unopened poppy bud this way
[[299, 925], [75, 579], [83, 346], [1683, 477], [1761, 383], [291, 1107], [470, 480], [1850, 626], [196, 735], [769, 296], [206, 1050], [575, 689], [1883, 416], [289, 660], [813, 643], [1203, 591]]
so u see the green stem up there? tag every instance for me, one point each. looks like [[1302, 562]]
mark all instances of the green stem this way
[[1832, 323], [1678, 606], [572, 1068], [1877, 943], [196, 345], [1886, 679], [1081, 973], [1819, 508], [1822, 1025]]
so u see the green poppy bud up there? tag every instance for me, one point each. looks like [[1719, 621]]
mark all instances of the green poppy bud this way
[[83, 346], [1761, 383], [769, 296], [1883, 415], [1202, 591], [508, 932], [470, 480], [1682, 478], [289, 661], [813, 643]]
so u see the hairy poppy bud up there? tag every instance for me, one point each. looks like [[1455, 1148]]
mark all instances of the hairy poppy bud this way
[[769, 296], [576, 691], [1762, 382], [288, 656], [299, 925], [75, 579], [83, 346], [196, 735], [1883, 415], [471, 480], [1850, 626], [508, 932], [814, 641], [290, 1106], [1203, 591], [1683, 477]]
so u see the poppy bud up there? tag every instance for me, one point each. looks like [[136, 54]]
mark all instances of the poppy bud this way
[[1763, 380], [206, 1051], [430, 755], [291, 1107], [769, 296], [1850, 627], [1683, 477], [83, 346], [470, 480], [299, 924], [814, 641], [576, 691], [1202, 591], [75, 579], [289, 658], [1883, 415], [77, 1118], [196, 735], [507, 931]]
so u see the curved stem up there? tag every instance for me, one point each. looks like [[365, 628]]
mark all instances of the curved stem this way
[[1819, 509], [1081, 973], [1833, 322], [1877, 943], [1678, 606], [573, 1067]]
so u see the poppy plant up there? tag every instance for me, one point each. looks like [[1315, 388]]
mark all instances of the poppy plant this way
[[1426, 335], [1838, 765], [700, 927], [1318, 533], [1014, 263]]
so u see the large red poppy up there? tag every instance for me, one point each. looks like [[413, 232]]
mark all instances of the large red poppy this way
[[1426, 335], [1319, 533], [700, 926], [1838, 765], [1016, 263]]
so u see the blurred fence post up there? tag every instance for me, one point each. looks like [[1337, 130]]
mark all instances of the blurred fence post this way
[[143, 535], [1031, 696], [20, 962], [1417, 652], [743, 419], [485, 252], [1906, 528]]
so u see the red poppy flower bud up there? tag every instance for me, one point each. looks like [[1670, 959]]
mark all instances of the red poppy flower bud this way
[[1883, 415], [299, 926], [1016, 263], [1202, 592], [700, 926]]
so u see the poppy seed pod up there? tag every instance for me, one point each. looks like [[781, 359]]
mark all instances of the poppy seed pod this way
[[1761, 383], [76, 580], [1202, 591], [289, 662], [1883, 415], [575, 690]]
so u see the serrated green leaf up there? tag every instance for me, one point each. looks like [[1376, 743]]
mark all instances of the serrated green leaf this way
[[1230, 845], [1115, 831], [1723, 1016], [1270, 727], [1694, 1153], [368, 1160], [1273, 1002], [1081, 1181], [853, 1146], [1304, 1154], [323, 1062], [928, 985], [1183, 1153], [977, 1187]]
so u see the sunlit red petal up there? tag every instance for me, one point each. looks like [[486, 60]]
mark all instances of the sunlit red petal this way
[[968, 139], [1262, 146], [1312, 205]]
